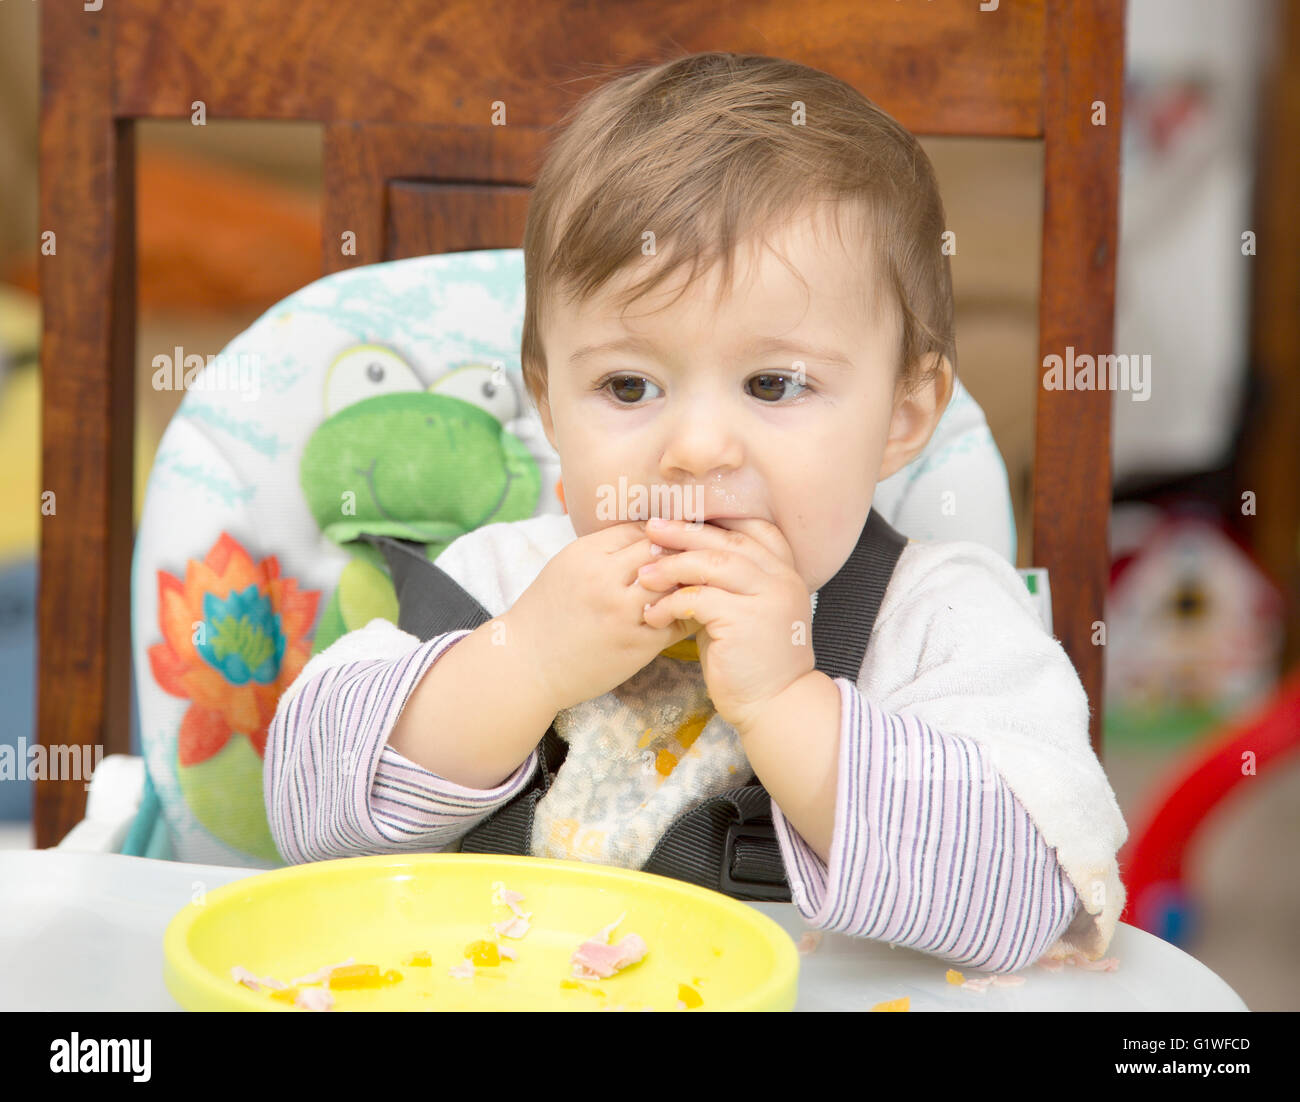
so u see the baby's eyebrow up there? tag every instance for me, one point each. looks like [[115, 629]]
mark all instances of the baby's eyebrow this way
[[762, 345], [755, 346]]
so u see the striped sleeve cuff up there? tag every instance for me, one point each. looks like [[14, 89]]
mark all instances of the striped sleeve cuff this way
[[334, 788], [931, 849], [410, 802]]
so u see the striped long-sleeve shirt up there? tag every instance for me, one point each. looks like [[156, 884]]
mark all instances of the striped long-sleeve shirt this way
[[931, 847]]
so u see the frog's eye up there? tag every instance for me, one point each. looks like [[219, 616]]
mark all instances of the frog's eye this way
[[364, 372], [487, 387]]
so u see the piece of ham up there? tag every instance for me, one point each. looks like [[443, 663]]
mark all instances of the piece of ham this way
[[314, 998], [240, 974], [501, 895], [595, 959], [809, 942], [513, 927]]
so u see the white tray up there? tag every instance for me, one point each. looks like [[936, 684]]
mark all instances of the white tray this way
[[83, 931]]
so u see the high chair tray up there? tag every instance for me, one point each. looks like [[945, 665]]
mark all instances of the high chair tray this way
[[84, 931]]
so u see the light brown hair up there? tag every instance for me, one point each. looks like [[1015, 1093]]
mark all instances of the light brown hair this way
[[705, 152]]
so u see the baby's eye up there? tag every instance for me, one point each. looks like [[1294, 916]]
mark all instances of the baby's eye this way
[[628, 388], [772, 381], [628, 385]]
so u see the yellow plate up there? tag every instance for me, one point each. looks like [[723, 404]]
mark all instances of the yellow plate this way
[[379, 910]]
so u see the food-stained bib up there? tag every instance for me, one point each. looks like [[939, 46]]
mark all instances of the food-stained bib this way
[[639, 756]]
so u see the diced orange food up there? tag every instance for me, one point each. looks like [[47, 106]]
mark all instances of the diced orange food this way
[[483, 953], [689, 731], [287, 995], [420, 959], [362, 975], [954, 977], [689, 996], [665, 762], [904, 1003]]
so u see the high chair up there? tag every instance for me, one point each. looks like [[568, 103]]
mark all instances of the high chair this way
[[233, 579]]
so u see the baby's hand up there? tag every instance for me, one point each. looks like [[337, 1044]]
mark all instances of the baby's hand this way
[[581, 617], [755, 610]]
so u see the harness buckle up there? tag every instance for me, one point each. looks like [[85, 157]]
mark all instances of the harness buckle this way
[[763, 889]]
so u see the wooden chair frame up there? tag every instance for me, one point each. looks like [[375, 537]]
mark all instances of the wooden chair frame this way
[[412, 165]]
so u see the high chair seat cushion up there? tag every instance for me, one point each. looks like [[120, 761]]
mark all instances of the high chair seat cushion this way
[[330, 417]]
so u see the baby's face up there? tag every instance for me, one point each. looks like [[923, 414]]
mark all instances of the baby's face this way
[[699, 404]]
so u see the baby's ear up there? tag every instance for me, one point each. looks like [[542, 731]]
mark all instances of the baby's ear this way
[[916, 414]]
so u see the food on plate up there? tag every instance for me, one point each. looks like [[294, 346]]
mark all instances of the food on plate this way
[[514, 927], [314, 998], [572, 986], [905, 1003], [596, 959], [240, 974], [954, 977], [517, 925], [687, 997], [322, 974], [483, 953], [501, 895], [362, 975]]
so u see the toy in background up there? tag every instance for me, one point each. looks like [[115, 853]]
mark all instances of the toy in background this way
[[1194, 638], [1194, 628]]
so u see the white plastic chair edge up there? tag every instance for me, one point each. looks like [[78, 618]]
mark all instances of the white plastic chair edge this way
[[116, 789]]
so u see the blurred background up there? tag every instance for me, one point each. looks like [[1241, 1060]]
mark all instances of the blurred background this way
[[1203, 612]]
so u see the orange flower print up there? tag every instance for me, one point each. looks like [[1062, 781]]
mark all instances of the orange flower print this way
[[235, 636]]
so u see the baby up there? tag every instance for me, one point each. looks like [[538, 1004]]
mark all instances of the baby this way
[[794, 346]]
